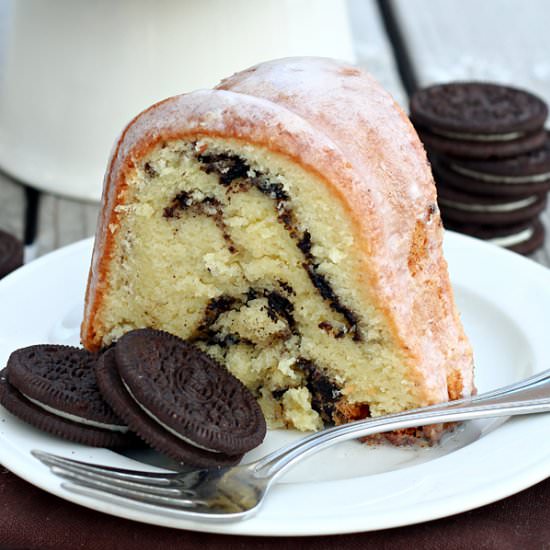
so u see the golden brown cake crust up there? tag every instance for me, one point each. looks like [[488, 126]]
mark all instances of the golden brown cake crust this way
[[334, 121]]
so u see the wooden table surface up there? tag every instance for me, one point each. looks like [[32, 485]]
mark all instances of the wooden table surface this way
[[500, 40]]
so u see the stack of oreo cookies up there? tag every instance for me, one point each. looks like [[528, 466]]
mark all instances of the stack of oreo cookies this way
[[490, 155]]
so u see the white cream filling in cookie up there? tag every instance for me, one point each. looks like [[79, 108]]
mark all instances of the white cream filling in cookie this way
[[167, 428], [477, 137], [77, 419], [503, 207], [516, 238], [535, 178]]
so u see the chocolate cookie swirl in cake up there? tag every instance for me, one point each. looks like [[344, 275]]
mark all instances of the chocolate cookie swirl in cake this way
[[285, 222]]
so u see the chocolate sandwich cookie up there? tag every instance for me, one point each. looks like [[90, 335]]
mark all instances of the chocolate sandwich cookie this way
[[179, 400], [481, 150], [523, 238], [487, 209], [54, 389], [11, 253], [446, 173], [479, 120], [528, 173]]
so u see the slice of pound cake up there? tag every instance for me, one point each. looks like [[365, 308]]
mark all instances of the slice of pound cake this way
[[286, 222]]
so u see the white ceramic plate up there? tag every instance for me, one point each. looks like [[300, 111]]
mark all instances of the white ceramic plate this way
[[505, 305]]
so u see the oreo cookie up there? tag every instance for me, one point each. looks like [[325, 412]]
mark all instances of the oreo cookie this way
[[487, 209], [479, 120], [11, 253], [54, 388], [446, 173], [528, 173], [179, 400], [523, 238], [482, 150]]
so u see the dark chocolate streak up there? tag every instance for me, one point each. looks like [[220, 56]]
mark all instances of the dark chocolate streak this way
[[277, 394], [324, 393], [214, 308], [278, 307], [330, 329], [209, 206], [231, 168], [287, 288], [227, 167], [149, 170]]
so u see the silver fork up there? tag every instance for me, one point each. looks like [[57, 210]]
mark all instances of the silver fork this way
[[228, 494]]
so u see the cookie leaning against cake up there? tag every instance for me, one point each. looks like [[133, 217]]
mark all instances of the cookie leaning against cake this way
[[286, 223]]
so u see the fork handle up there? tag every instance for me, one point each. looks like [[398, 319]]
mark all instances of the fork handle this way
[[531, 398]]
